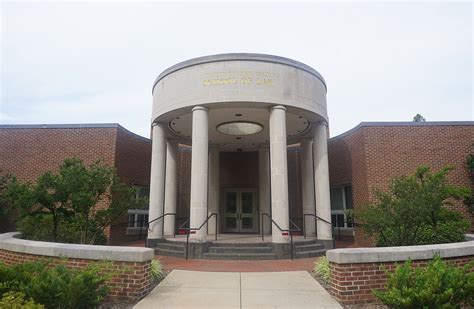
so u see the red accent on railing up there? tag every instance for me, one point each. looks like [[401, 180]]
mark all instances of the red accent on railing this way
[[192, 232], [181, 232], [284, 233]]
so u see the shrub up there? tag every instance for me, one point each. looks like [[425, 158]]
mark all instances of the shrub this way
[[321, 268], [16, 300], [414, 211], [156, 270], [438, 285], [57, 286]]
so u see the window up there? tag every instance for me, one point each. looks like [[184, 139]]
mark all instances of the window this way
[[137, 218], [341, 201]]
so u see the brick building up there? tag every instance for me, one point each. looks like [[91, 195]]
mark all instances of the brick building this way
[[360, 160]]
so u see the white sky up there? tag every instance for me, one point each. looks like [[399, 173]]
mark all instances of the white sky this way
[[96, 61]]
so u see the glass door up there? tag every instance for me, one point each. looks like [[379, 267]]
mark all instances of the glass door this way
[[240, 211]]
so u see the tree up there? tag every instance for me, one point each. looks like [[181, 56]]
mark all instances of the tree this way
[[76, 204], [419, 118], [414, 211]]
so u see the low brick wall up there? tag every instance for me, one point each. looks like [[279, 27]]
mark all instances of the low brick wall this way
[[134, 264], [356, 272]]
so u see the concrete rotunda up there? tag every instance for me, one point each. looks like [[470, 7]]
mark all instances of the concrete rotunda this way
[[240, 103]]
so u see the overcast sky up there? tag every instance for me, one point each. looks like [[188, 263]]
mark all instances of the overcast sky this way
[[96, 62]]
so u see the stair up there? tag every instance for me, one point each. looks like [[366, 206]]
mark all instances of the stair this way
[[252, 251], [170, 248], [311, 248]]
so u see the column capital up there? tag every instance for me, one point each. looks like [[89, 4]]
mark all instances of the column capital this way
[[196, 108], [278, 107]]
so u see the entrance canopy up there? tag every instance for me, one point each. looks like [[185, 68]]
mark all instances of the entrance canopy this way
[[239, 103]]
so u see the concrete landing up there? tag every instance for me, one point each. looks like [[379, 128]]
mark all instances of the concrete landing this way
[[195, 289]]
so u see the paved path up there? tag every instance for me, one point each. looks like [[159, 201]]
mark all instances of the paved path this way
[[170, 263], [195, 289]]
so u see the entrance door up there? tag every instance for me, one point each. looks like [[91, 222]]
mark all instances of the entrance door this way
[[240, 211]]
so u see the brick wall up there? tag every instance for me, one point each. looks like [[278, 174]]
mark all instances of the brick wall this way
[[133, 282], [133, 162], [27, 151], [353, 283], [370, 155]]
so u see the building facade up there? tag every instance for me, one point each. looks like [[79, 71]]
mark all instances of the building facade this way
[[241, 135]]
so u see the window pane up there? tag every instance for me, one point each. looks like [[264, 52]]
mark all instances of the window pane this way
[[247, 202], [131, 218], [340, 221], [333, 220], [336, 199], [141, 220], [231, 202], [231, 222], [247, 223], [348, 191], [144, 192]]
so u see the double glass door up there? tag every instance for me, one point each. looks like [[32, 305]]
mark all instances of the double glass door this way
[[240, 211]]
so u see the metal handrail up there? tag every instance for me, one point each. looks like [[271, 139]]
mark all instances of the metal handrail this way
[[289, 231], [147, 224], [189, 229], [163, 225], [325, 221]]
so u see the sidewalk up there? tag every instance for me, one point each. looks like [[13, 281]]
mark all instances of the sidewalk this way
[[194, 289]]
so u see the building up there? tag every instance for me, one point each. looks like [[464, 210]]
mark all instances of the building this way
[[241, 135]]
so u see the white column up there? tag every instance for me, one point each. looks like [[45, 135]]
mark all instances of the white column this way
[[170, 186], [279, 173], [199, 172], [157, 182], [308, 185], [213, 205], [264, 186], [321, 180]]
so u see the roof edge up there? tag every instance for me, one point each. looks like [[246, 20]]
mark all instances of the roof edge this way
[[402, 124], [72, 126], [238, 57]]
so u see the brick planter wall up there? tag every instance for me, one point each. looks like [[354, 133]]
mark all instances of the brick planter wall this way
[[355, 273], [133, 264]]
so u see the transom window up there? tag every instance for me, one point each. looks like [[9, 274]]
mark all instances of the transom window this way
[[341, 202]]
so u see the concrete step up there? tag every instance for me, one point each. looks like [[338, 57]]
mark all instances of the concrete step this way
[[305, 242], [309, 247], [168, 252], [170, 246], [239, 256], [238, 249], [309, 253], [233, 245]]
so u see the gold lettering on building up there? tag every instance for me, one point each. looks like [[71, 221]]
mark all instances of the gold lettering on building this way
[[245, 78]]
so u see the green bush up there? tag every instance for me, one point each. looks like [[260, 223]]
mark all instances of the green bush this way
[[438, 285], [415, 211], [57, 286], [156, 270], [16, 300], [321, 268]]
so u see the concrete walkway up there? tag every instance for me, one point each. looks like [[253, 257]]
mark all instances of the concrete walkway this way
[[195, 289]]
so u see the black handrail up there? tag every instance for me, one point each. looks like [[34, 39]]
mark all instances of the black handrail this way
[[147, 224], [163, 225], [325, 221], [189, 229], [289, 231]]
